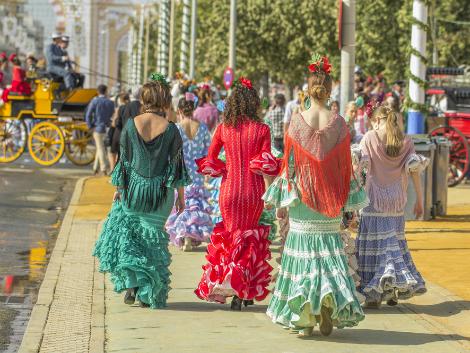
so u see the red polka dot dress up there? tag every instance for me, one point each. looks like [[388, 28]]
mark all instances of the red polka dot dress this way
[[239, 250]]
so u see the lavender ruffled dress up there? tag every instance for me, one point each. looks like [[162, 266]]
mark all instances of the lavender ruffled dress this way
[[195, 221]]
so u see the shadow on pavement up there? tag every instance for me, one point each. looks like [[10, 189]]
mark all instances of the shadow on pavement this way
[[208, 307], [385, 337], [444, 309]]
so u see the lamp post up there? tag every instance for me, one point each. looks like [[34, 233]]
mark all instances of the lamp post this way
[[232, 34], [192, 55], [185, 36], [417, 68], [348, 48]]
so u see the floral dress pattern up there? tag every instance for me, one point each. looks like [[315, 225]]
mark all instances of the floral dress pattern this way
[[195, 221]]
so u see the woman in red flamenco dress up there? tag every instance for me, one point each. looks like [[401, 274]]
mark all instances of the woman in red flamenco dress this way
[[18, 82], [237, 257]]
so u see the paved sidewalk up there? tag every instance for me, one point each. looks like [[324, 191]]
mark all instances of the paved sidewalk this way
[[77, 310]]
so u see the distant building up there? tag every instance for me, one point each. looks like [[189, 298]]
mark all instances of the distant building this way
[[19, 31], [99, 33]]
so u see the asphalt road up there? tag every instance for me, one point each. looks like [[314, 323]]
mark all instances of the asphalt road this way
[[33, 201]]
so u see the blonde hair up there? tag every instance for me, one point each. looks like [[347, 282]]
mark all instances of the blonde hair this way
[[319, 86], [394, 133]]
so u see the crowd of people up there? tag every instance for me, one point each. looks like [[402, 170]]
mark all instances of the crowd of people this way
[[299, 161]]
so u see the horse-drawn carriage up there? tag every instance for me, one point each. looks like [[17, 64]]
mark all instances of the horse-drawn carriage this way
[[449, 101], [49, 122]]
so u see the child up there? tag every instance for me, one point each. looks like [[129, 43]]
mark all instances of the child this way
[[386, 268]]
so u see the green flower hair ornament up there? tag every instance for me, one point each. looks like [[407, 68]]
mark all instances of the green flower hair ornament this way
[[158, 77]]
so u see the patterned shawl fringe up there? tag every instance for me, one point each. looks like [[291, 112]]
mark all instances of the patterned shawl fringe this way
[[324, 184]]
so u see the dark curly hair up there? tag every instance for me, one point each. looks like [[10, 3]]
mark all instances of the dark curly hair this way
[[241, 105]]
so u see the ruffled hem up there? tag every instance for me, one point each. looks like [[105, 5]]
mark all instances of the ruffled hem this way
[[385, 264], [136, 255], [212, 167], [416, 163], [265, 164], [237, 265], [315, 272], [282, 193], [195, 221]]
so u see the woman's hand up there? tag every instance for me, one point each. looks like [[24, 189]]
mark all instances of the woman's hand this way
[[116, 196], [268, 206], [419, 209], [281, 213], [179, 205]]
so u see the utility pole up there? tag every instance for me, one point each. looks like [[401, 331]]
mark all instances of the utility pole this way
[[163, 34], [146, 48], [192, 55], [348, 49], [172, 38], [417, 68], [138, 74], [130, 55], [232, 34], [185, 36]]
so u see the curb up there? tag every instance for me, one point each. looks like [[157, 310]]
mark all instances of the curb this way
[[34, 333]]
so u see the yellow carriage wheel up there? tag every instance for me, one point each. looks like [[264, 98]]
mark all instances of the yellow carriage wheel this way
[[13, 136], [46, 144], [79, 147]]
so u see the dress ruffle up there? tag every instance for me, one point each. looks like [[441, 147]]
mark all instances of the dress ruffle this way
[[357, 198], [268, 218], [195, 221], [136, 254], [212, 167], [282, 193], [314, 272], [416, 163], [265, 163], [237, 265], [385, 264]]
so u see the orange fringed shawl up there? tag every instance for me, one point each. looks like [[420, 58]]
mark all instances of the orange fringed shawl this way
[[322, 163]]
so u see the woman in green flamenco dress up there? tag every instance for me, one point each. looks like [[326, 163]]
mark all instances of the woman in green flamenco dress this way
[[314, 284], [133, 246]]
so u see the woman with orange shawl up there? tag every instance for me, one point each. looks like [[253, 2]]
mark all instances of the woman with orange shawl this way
[[314, 285]]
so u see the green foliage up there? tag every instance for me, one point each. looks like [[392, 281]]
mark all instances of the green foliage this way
[[277, 37]]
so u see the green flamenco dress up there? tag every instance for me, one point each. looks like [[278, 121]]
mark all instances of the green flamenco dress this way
[[133, 245], [315, 271], [314, 267]]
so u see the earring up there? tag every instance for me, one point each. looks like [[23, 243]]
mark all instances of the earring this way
[[307, 103]]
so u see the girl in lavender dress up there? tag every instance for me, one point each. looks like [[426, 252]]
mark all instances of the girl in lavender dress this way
[[386, 268], [194, 225]]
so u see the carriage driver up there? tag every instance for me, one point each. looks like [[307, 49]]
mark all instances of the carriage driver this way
[[58, 62]]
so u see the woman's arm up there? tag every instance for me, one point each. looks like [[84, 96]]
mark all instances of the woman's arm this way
[[418, 210], [179, 204]]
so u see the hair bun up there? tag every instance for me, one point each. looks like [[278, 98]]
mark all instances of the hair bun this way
[[318, 92]]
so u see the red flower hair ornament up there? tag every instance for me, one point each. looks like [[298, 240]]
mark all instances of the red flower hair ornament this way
[[245, 82], [319, 63], [12, 57]]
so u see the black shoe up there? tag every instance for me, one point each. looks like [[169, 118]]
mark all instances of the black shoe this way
[[129, 297], [144, 305], [236, 304], [248, 302], [392, 302]]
